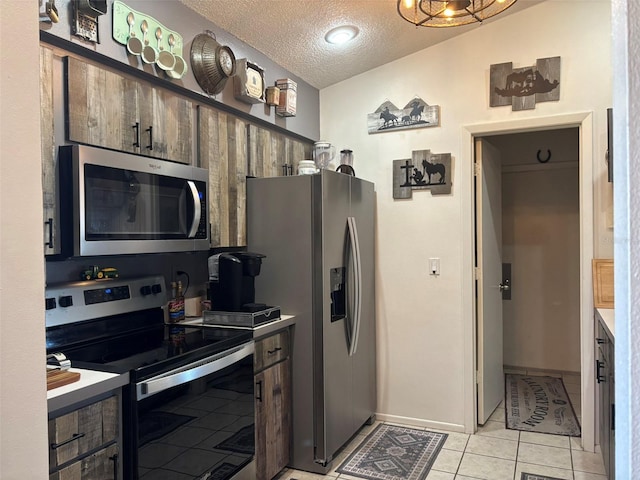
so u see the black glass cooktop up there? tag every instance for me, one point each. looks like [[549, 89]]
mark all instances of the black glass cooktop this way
[[142, 346]]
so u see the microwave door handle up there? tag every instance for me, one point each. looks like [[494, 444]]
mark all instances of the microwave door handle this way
[[197, 209], [193, 371]]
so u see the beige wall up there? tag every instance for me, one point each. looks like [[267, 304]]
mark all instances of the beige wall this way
[[421, 327], [23, 407]]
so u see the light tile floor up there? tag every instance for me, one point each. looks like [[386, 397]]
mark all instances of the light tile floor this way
[[494, 453]]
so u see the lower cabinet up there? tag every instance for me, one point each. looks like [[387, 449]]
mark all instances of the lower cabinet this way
[[83, 443], [605, 378], [273, 405], [101, 465]]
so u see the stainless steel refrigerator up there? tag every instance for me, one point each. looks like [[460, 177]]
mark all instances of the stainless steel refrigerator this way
[[317, 232]]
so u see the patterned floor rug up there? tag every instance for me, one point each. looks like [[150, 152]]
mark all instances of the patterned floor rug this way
[[534, 476], [539, 404], [392, 452]]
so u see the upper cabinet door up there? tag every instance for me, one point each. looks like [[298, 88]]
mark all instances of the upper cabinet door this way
[[273, 154], [109, 110], [222, 150], [101, 107], [48, 151]]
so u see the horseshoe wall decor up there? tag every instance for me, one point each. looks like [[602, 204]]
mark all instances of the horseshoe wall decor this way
[[546, 159]]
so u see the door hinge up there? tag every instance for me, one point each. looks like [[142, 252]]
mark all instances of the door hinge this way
[[476, 273], [478, 377], [476, 169]]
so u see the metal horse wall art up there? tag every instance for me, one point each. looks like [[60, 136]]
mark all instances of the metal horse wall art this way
[[523, 87], [416, 114], [425, 170]]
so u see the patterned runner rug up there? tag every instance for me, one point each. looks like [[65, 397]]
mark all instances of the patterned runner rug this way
[[392, 452], [539, 404]]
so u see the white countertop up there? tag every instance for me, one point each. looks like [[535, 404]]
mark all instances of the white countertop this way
[[92, 383], [607, 318]]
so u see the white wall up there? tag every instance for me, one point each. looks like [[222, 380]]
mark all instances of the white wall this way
[[421, 341], [23, 404]]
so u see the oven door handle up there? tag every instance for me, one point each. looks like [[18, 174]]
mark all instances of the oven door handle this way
[[193, 371]]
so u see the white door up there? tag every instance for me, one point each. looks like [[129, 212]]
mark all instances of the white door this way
[[489, 278]]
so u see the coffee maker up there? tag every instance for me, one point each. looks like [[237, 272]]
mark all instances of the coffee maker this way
[[232, 281]]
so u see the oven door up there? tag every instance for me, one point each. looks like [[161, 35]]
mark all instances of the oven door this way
[[196, 421]]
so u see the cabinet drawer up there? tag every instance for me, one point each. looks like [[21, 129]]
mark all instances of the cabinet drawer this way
[[271, 350], [82, 430], [101, 465]]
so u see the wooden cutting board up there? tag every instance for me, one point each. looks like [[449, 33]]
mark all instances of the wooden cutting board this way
[[603, 283], [58, 378]]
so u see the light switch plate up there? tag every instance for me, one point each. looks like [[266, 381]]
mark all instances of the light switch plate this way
[[434, 266]]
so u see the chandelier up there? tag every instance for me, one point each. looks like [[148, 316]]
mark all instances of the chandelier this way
[[450, 13]]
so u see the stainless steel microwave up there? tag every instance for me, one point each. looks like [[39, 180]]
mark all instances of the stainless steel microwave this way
[[115, 203]]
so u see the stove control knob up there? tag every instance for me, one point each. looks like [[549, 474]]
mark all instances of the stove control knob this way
[[156, 288], [146, 290], [49, 303], [66, 301]]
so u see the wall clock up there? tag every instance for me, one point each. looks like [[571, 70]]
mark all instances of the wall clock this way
[[248, 84]]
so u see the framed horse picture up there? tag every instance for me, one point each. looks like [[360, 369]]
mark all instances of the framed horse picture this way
[[415, 114], [425, 170]]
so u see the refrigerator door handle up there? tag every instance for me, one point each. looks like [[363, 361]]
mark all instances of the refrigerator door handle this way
[[355, 255]]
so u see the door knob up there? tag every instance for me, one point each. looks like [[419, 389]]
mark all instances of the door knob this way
[[504, 287]]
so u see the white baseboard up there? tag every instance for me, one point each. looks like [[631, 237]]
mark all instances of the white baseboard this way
[[420, 422]]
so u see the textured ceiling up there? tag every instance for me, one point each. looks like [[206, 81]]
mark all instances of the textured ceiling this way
[[291, 33]]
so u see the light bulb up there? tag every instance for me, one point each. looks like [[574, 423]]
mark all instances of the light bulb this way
[[408, 3]]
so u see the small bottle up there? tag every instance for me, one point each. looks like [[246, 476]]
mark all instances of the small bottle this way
[[180, 301], [174, 306]]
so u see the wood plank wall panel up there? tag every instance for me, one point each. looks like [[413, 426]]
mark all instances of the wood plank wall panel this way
[[48, 148]]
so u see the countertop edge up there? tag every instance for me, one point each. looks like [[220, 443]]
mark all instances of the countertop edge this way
[[258, 332], [606, 316], [91, 384], [272, 327]]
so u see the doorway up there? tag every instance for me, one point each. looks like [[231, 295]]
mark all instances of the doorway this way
[[528, 260], [583, 122]]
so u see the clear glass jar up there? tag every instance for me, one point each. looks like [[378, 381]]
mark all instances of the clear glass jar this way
[[307, 167]]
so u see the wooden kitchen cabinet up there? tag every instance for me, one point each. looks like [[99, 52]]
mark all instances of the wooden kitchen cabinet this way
[[48, 153], [605, 378], [222, 149], [83, 443], [110, 110], [101, 465], [273, 154], [272, 367]]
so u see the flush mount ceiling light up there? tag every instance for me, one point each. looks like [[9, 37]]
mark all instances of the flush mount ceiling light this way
[[340, 35], [451, 13]]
